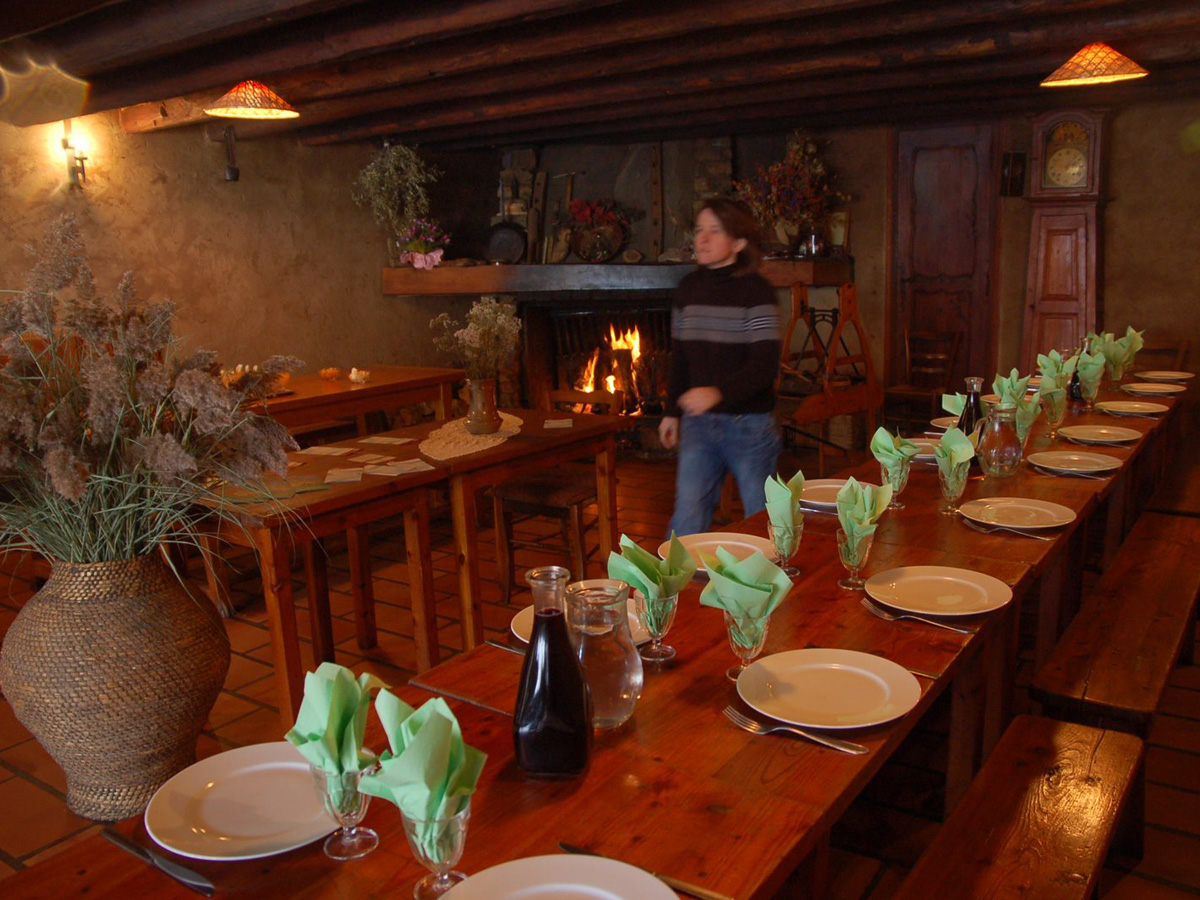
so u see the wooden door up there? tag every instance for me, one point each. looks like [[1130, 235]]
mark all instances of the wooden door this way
[[1060, 297], [945, 244]]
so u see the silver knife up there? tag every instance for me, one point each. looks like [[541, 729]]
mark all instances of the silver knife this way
[[182, 874], [683, 887]]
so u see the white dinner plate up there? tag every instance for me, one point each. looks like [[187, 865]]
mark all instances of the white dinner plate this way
[[924, 449], [1073, 461], [1131, 408], [246, 803], [990, 398], [1035, 382], [1166, 375], [944, 422], [1148, 388], [821, 493], [1017, 512], [822, 688], [521, 625], [740, 545], [939, 590], [1099, 434], [561, 877]]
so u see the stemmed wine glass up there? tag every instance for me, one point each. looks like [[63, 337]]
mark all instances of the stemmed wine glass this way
[[438, 846], [657, 616], [1056, 411], [786, 541], [747, 634], [953, 483], [1089, 388], [897, 476], [853, 554], [347, 805]]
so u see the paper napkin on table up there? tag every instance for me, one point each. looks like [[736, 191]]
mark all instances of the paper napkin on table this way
[[654, 577], [1090, 368], [1056, 371], [859, 507], [429, 772], [783, 500], [748, 589], [1010, 388], [954, 403], [954, 449], [332, 719], [891, 449]]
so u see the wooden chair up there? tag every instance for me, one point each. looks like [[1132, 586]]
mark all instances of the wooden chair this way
[[560, 494], [1162, 355], [929, 358]]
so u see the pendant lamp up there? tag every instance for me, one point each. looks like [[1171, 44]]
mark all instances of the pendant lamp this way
[[1094, 64], [252, 100]]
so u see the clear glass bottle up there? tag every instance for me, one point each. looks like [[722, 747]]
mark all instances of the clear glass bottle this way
[[999, 449], [552, 727], [598, 613]]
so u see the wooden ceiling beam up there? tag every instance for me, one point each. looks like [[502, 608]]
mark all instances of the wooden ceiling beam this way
[[25, 18]]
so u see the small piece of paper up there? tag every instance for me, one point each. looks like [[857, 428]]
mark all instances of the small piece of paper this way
[[293, 463], [384, 439], [326, 451], [343, 476], [559, 423], [407, 466], [370, 458], [387, 471]]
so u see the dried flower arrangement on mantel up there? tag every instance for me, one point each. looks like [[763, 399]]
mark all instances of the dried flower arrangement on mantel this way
[[393, 187]]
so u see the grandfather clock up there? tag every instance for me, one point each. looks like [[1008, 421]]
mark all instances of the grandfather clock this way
[[1065, 242]]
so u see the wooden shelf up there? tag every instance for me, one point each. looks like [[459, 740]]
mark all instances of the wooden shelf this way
[[517, 279]]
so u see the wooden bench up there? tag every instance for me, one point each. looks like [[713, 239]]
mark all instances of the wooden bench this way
[[1038, 819], [1111, 666]]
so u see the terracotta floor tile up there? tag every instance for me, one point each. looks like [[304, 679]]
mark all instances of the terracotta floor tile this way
[[11, 731], [393, 649], [1170, 807], [1173, 767], [245, 636], [1180, 702], [243, 670], [55, 849], [1116, 885], [264, 692], [226, 709], [31, 759], [1176, 732], [207, 746], [43, 819], [258, 727], [1186, 677]]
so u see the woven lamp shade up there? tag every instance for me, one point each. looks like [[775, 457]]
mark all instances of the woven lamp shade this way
[[252, 100], [1094, 64]]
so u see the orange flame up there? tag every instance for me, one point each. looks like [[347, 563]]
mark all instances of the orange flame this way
[[587, 381], [631, 339], [610, 384]]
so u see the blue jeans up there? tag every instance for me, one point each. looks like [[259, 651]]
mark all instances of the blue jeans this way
[[712, 444]]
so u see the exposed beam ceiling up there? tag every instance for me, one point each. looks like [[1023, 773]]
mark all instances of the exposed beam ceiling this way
[[500, 72]]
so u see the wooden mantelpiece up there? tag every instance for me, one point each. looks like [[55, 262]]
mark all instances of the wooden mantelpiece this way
[[514, 279]]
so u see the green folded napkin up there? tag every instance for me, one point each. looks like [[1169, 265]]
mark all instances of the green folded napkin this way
[[1010, 388], [891, 449], [1056, 371], [748, 589], [954, 403], [859, 507], [1118, 352], [1090, 369], [1055, 400], [654, 577], [783, 507], [429, 772], [332, 719], [1029, 407], [954, 449]]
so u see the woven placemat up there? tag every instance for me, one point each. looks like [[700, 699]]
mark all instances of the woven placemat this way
[[453, 439]]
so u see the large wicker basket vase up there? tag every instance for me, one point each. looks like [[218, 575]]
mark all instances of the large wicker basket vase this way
[[114, 668]]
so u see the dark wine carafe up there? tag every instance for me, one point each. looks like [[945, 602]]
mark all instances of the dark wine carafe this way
[[1074, 388], [972, 413], [552, 725]]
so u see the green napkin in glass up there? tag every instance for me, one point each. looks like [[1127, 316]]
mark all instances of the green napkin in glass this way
[[652, 576], [1090, 369], [954, 403], [891, 449], [1011, 388], [332, 719], [748, 589], [429, 772], [783, 506], [1029, 407], [859, 507], [1055, 399], [1056, 371], [1119, 352], [954, 449]]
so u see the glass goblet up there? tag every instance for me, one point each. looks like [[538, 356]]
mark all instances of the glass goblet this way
[[747, 634], [853, 554], [1056, 411], [897, 476], [657, 616], [1089, 388], [786, 541], [438, 846], [347, 805], [953, 481]]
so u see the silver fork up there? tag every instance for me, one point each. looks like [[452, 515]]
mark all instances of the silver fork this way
[[754, 726], [1049, 474], [892, 617], [988, 529]]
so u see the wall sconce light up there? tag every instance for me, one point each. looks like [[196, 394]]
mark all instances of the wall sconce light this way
[[75, 148]]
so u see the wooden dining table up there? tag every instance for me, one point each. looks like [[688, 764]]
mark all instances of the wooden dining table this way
[[678, 789]]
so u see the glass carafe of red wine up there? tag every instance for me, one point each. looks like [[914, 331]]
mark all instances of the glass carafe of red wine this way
[[552, 724], [972, 412]]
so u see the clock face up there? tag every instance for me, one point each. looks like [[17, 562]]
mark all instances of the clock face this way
[[1066, 168]]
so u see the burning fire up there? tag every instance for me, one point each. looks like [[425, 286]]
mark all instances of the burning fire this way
[[630, 339], [627, 340]]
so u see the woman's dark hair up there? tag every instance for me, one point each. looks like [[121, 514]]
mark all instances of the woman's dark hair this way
[[737, 220]]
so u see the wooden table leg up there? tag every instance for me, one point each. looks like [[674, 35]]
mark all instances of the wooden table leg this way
[[319, 615], [606, 496], [999, 671], [276, 570], [216, 572], [443, 403], [466, 540], [420, 584], [966, 721], [358, 549]]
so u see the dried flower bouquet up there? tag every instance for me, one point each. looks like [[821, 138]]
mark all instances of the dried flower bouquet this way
[[485, 342]]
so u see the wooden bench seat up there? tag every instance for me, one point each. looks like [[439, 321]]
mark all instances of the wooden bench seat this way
[[1038, 819], [1111, 666]]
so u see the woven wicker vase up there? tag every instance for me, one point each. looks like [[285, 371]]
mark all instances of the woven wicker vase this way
[[114, 668]]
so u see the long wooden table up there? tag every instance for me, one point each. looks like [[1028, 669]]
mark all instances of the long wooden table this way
[[677, 789]]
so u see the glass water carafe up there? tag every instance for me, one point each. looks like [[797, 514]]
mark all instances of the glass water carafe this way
[[597, 611], [999, 448]]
